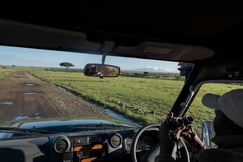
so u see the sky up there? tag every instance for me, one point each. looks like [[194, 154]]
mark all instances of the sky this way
[[47, 58]]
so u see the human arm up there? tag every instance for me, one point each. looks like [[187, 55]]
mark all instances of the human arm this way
[[169, 134]]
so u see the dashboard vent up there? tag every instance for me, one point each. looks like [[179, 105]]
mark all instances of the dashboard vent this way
[[116, 140], [62, 144]]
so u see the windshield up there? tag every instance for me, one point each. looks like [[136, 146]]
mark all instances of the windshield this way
[[42, 85]]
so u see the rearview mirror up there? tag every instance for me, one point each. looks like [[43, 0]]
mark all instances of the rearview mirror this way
[[101, 70]]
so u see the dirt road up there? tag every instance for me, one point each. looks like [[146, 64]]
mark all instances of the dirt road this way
[[25, 96]]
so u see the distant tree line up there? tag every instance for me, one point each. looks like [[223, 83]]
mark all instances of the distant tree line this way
[[161, 75]]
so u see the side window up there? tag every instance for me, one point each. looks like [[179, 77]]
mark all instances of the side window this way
[[201, 113]]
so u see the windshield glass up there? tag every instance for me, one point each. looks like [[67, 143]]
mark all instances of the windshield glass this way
[[37, 85]]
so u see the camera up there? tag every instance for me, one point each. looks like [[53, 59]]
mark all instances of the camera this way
[[174, 123]]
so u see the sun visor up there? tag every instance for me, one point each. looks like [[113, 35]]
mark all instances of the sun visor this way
[[165, 51], [34, 36]]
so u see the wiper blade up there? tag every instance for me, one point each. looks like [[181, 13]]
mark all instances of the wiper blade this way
[[22, 130], [99, 126]]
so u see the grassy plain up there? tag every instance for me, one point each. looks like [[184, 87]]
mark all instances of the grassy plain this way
[[5, 71], [145, 100]]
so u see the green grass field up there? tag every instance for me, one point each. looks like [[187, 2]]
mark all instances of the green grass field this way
[[145, 100], [5, 71]]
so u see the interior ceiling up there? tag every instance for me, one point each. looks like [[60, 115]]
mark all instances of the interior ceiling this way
[[128, 24]]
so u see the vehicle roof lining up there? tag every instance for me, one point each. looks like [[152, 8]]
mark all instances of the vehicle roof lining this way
[[209, 25], [24, 35]]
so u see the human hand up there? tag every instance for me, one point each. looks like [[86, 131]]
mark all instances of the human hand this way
[[169, 133], [190, 135]]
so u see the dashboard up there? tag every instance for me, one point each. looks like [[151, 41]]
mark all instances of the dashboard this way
[[87, 146]]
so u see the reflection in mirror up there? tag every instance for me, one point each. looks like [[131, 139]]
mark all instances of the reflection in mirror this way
[[101, 70]]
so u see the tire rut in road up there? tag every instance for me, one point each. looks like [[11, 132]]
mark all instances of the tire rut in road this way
[[34, 98]]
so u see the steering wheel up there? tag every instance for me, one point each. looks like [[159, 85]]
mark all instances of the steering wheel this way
[[151, 154]]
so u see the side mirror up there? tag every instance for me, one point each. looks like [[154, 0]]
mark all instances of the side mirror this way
[[208, 133], [101, 70]]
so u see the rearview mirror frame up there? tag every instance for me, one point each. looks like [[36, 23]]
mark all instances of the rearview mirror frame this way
[[101, 70]]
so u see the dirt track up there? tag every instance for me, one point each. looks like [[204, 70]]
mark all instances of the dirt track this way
[[25, 96]]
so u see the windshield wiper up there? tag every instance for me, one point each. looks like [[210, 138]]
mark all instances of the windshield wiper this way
[[99, 126], [22, 130]]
